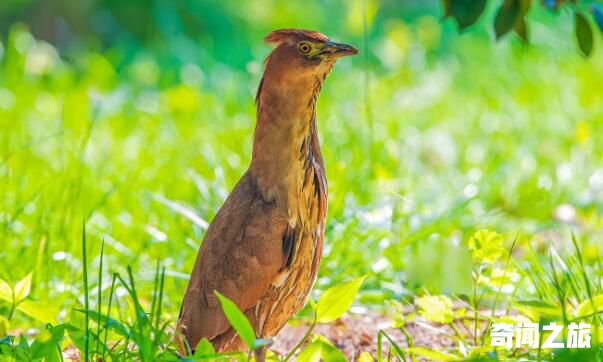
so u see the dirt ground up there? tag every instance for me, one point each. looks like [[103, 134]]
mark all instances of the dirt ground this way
[[357, 333]]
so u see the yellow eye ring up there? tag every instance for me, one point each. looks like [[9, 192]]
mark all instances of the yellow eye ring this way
[[304, 47]]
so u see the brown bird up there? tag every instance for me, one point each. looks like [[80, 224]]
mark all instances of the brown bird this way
[[263, 248]]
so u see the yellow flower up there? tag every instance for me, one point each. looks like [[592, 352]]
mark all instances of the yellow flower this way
[[436, 308], [486, 246]]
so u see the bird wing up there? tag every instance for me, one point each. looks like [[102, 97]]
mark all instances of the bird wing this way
[[240, 257]]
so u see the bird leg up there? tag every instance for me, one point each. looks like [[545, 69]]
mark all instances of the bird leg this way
[[260, 354]]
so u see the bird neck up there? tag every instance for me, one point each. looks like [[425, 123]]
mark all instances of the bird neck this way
[[285, 138]]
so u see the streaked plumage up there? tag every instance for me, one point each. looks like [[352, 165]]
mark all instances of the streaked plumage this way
[[263, 248]]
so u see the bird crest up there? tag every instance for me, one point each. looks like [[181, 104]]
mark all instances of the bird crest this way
[[282, 35]]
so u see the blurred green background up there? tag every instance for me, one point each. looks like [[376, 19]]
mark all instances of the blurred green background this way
[[137, 117]]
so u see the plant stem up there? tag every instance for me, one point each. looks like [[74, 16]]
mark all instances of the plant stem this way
[[86, 304], [12, 308], [494, 305], [457, 332], [409, 340], [475, 309], [299, 344]]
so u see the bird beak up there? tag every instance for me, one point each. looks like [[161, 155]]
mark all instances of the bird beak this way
[[333, 50]]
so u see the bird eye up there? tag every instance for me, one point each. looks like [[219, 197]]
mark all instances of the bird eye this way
[[304, 47]]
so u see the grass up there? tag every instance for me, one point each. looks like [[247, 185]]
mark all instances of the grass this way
[[464, 138]]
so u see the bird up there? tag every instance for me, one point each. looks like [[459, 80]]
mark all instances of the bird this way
[[263, 248]]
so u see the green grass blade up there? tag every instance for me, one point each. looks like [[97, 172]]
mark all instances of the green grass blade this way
[[109, 310], [161, 291], [86, 296], [99, 301]]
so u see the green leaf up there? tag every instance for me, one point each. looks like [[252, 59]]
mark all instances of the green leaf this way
[[4, 326], [77, 336], [535, 309], [107, 322], [586, 308], [237, 320], [336, 300], [584, 34], [320, 350], [204, 348], [23, 345], [506, 17], [39, 312], [466, 12], [6, 292], [272, 357], [76, 317], [521, 29], [23, 288], [432, 355], [521, 25], [7, 341], [47, 343]]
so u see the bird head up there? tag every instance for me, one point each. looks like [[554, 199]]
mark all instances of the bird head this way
[[302, 54], [309, 46]]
